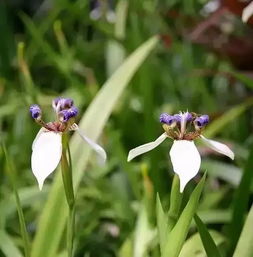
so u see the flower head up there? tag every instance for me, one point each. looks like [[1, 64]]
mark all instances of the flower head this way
[[47, 145], [183, 128]]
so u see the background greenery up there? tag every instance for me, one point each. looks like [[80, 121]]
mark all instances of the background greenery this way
[[53, 48]]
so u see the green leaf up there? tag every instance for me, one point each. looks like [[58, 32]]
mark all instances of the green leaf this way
[[244, 247], [240, 203], [22, 224], [193, 247], [207, 240], [144, 234], [243, 78], [227, 172], [162, 223], [7, 245], [215, 216], [228, 117], [177, 236], [175, 203], [54, 214]]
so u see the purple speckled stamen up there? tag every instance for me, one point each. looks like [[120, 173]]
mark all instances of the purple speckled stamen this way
[[35, 111], [167, 119], [202, 120], [67, 114]]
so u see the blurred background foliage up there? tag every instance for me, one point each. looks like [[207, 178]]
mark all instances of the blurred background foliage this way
[[203, 63]]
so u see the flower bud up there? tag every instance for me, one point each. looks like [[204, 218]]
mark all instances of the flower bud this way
[[201, 121], [35, 111], [67, 114], [167, 119]]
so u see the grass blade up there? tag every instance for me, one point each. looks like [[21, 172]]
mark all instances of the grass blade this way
[[228, 117], [177, 236], [24, 234], [175, 203], [193, 247], [207, 240], [241, 203], [7, 246], [162, 223], [244, 247], [51, 224]]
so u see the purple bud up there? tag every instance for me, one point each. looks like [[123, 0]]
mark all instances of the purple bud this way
[[205, 118], [61, 103], [177, 117], [35, 111], [67, 114], [202, 120], [167, 119], [188, 117]]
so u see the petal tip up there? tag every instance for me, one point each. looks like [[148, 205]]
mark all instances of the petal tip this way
[[129, 157], [40, 183]]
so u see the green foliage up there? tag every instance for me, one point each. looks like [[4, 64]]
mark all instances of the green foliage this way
[[122, 75]]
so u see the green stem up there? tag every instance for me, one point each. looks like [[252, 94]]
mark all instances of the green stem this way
[[175, 203], [24, 233], [69, 192]]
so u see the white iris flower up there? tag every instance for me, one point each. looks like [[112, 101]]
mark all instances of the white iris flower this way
[[47, 145], [183, 128]]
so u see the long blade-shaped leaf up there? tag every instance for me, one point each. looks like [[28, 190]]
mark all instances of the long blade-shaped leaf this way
[[21, 217], [194, 248], [244, 247], [241, 203], [7, 245], [228, 117], [178, 234], [162, 223], [207, 240], [53, 218]]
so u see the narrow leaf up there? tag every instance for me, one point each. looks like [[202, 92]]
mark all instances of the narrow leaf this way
[[175, 203], [193, 246], [7, 245], [23, 230], [240, 203], [207, 240], [228, 117], [177, 236], [162, 222], [244, 247]]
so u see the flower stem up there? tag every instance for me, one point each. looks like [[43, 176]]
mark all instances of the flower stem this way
[[66, 168], [175, 203]]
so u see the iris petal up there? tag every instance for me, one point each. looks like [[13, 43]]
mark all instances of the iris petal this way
[[185, 160], [218, 147], [146, 147], [97, 148], [46, 155]]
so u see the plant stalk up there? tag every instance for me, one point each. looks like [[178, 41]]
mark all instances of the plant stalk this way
[[66, 168]]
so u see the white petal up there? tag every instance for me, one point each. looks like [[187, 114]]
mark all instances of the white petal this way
[[99, 150], [146, 147], [47, 151], [37, 136], [185, 160], [218, 147], [247, 12]]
